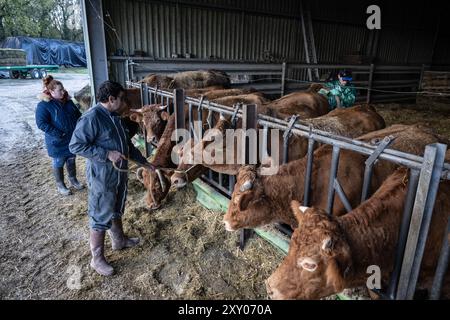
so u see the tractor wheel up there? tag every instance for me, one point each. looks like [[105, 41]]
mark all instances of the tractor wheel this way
[[23, 74], [43, 73], [35, 74], [14, 74]]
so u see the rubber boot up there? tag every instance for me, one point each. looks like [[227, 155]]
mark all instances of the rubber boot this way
[[98, 261], [118, 239], [59, 178], [72, 171]]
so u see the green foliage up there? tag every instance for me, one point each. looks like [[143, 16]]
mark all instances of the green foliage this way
[[60, 19]]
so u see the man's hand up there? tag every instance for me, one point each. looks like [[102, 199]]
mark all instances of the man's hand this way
[[115, 156]]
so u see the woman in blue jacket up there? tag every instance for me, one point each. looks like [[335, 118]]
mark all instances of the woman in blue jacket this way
[[57, 116]]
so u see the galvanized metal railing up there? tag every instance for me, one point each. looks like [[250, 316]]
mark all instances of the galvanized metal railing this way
[[375, 83], [424, 177]]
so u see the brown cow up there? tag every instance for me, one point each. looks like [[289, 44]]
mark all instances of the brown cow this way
[[158, 183], [350, 122], [258, 200], [329, 253], [189, 80], [307, 104]]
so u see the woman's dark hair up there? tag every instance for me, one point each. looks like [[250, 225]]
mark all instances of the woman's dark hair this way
[[107, 89], [50, 83]]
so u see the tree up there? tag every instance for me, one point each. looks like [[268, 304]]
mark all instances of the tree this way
[[44, 18], [67, 19]]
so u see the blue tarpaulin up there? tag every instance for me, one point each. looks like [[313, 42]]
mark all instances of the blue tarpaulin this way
[[49, 51]]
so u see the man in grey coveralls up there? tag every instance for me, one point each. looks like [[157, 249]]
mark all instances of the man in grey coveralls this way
[[101, 137]]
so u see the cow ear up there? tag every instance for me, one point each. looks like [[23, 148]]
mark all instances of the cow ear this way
[[136, 117], [164, 115], [298, 211]]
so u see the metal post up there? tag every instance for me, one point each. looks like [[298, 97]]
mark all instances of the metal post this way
[[131, 66], [249, 121], [283, 78], [420, 219], [333, 174], [403, 233], [369, 90], [309, 165], [422, 71], [342, 195], [127, 70], [179, 111], [369, 165], [144, 95], [441, 267]]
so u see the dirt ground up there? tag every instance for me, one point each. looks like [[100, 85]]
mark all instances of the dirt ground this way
[[185, 253]]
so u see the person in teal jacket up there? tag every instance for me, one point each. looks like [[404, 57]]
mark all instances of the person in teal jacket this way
[[340, 93]]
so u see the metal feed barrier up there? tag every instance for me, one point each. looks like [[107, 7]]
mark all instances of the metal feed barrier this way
[[375, 83], [424, 177]]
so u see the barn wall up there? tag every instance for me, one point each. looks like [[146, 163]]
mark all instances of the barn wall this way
[[264, 30]]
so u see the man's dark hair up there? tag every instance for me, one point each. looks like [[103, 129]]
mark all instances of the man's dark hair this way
[[107, 89]]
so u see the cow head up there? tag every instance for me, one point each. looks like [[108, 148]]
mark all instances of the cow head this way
[[154, 118], [184, 154], [157, 185], [249, 206], [318, 261]]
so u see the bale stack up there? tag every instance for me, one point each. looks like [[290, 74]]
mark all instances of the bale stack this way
[[13, 57], [436, 88]]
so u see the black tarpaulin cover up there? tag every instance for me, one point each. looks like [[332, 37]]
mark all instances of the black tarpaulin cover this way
[[42, 51]]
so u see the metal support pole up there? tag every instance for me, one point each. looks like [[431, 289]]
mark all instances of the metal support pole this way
[[130, 66], [420, 220], [249, 121], [144, 95], [333, 174], [283, 78], [309, 166], [126, 70], [179, 111], [369, 90], [441, 267], [144, 99], [422, 71], [403, 233], [369, 165], [342, 195]]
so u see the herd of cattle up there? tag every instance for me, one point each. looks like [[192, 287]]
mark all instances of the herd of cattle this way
[[327, 252]]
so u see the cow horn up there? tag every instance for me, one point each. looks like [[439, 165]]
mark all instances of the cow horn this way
[[222, 117], [137, 110], [163, 107], [327, 243], [161, 180], [247, 185], [303, 209], [139, 174]]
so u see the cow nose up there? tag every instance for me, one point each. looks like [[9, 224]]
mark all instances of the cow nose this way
[[154, 139]]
